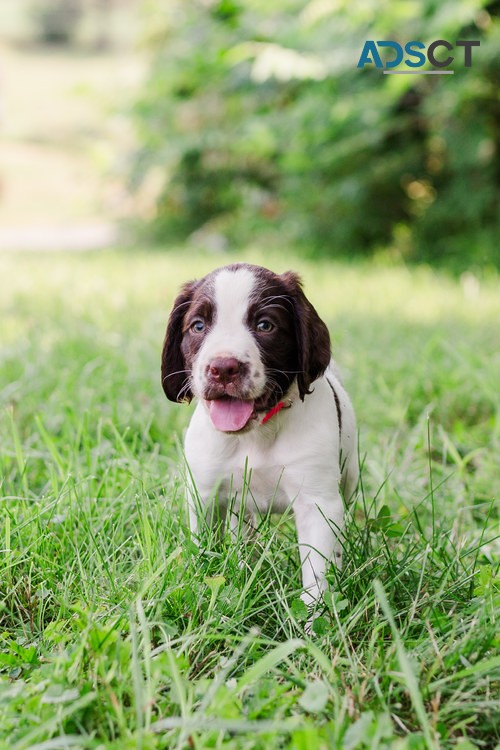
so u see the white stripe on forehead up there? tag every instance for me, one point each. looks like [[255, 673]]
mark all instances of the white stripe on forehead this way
[[229, 335], [232, 295]]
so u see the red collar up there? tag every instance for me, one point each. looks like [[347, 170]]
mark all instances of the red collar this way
[[275, 409]]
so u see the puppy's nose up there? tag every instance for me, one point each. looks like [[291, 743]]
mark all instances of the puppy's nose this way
[[224, 369]]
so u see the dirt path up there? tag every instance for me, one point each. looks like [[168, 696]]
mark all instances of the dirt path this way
[[65, 137]]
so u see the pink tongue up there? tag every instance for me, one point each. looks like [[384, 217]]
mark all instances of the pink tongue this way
[[230, 414]]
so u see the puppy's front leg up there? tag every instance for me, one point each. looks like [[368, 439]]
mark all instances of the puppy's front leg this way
[[319, 528], [242, 524]]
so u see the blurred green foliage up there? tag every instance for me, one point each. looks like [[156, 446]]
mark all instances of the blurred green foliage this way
[[256, 120]]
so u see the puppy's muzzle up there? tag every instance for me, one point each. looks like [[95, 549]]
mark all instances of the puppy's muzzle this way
[[225, 370]]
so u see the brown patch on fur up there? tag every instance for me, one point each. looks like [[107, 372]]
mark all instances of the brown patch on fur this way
[[176, 357], [313, 338]]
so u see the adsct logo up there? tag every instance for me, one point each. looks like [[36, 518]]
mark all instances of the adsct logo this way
[[410, 59]]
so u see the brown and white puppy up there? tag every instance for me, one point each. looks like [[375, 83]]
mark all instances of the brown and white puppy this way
[[271, 410]]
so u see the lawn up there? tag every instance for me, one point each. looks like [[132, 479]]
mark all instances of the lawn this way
[[115, 632]]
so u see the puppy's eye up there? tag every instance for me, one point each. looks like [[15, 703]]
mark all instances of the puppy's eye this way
[[264, 326], [198, 326]]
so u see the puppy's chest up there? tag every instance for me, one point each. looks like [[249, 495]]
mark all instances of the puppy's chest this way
[[262, 486], [246, 473]]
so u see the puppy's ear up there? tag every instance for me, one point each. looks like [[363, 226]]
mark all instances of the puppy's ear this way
[[175, 378], [313, 339]]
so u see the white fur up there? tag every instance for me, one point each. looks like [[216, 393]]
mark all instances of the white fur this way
[[298, 459], [229, 336]]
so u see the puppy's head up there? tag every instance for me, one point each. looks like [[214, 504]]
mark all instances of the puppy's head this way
[[238, 339]]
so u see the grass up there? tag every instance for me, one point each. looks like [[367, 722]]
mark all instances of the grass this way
[[116, 633]]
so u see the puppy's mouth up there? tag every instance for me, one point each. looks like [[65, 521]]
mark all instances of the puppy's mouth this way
[[230, 414]]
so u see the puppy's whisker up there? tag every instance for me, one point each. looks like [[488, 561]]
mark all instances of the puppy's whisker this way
[[178, 307], [272, 307], [284, 372], [185, 388], [284, 297], [171, 374]]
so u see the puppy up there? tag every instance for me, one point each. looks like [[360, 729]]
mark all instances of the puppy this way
[[252, 349]]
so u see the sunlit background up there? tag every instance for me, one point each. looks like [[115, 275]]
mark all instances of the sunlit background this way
[[68, 74], [221, 122]]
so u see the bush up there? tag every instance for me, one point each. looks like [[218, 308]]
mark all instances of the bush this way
[[256, 118]]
